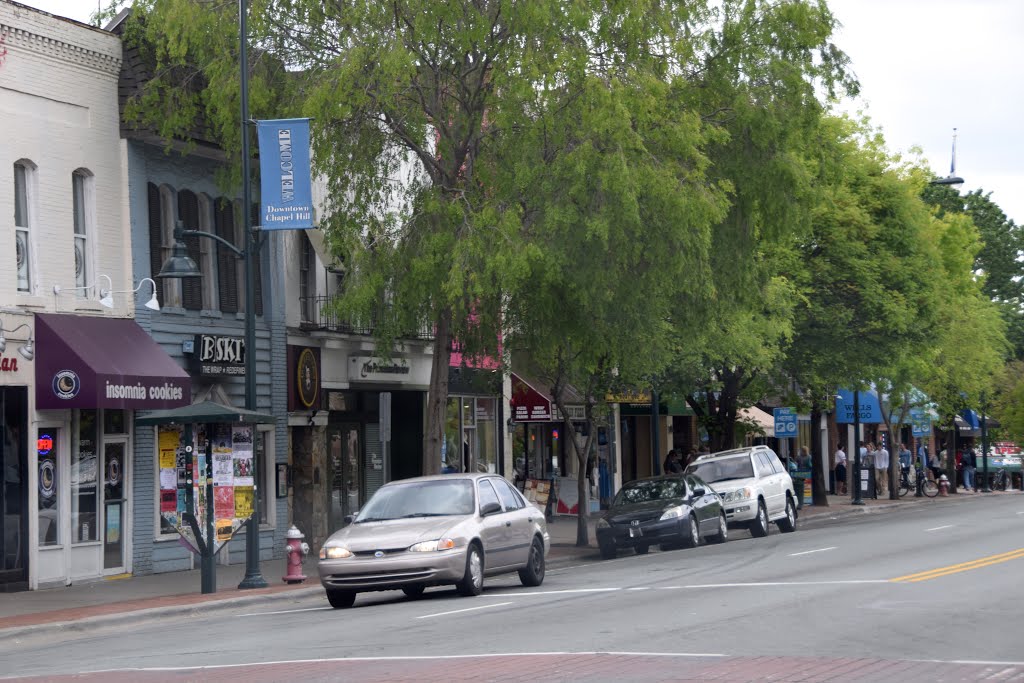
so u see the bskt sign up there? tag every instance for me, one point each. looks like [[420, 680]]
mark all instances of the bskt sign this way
[[219, 356]]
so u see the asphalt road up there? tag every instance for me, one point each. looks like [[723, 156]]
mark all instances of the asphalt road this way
[[931, 592]]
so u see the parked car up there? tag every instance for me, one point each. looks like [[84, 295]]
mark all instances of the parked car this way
[[427, 531], [754, 486], [675, 509]]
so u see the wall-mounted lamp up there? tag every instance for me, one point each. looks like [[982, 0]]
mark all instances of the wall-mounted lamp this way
[[27, 350], [153, 304], [104, 294], [510, 424]]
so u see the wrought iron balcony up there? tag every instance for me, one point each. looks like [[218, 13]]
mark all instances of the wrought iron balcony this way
[[320, 313]]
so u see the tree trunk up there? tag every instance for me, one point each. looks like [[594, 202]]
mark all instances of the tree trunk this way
[[437, 396], [819, 490]]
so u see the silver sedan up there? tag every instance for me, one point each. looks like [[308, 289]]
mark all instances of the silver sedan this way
[[426, 531]]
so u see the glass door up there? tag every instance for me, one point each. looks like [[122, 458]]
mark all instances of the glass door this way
[[13, 487], [114, 505], [343, 449]]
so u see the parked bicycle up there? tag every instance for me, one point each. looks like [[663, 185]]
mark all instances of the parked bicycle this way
[[928, 487], [1000, 480]]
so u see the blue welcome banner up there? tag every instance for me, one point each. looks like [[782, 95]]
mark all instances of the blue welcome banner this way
[[286, 191]]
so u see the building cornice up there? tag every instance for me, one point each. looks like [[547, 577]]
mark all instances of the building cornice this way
[[18, 38]]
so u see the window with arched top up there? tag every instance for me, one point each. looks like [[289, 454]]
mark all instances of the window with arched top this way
[[24, 223], [227, 261], [189, 214], [84, 219]]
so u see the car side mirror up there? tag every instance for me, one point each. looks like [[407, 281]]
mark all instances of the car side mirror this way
[[348, 519], [699, 491], [490, 509]]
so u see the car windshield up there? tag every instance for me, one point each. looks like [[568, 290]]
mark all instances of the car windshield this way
[[419, 499], [644, 491], [737, 467]]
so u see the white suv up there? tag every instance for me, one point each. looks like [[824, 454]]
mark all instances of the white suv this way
[[754, 486]]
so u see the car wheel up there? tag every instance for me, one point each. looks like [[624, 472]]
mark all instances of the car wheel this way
[[759, 527], [723, 530], [692, 539], [341, 599], [607, 552], [788, 523], [472, 582], [415, 590], [533, 573], [642, 549]]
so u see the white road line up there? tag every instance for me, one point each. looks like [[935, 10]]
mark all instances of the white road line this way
[[669, 588], [411, 658], [460, 611], [786, 583], [939, 528], [286, 611], [808, 552], [562, 592], [640, 588]]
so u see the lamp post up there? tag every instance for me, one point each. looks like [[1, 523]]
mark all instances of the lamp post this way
[[984, 448], [952, 180], [180, 265], [857, 500]]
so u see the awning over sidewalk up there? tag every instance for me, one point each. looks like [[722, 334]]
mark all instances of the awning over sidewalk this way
[[758, 417], [528, 403], [92, 362]]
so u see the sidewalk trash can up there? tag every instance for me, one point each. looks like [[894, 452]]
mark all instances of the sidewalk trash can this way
[[798, 489]]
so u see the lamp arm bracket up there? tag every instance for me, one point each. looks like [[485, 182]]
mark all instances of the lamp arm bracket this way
[[216, 238]]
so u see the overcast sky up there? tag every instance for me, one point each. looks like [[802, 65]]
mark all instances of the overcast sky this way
[[925, 68]]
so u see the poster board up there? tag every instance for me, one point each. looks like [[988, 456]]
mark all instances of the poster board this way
[[537, 491], [184, 474]]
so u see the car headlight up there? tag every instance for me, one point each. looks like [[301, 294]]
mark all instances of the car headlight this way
[[432, 546], [335, 552], [673, 512], [737, 495], [603, 523]]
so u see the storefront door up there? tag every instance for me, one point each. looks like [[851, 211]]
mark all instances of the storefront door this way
[[343, 449], [13, 488], [114, 505]]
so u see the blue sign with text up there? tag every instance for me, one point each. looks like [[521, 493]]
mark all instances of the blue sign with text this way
[[285, 188], [920, 422], [785, 423], [867, 405]]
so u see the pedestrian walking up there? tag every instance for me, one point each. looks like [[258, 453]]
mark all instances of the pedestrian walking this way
[[882, 469], [672, 463], [840, 469], [970, 463], [935, 465]]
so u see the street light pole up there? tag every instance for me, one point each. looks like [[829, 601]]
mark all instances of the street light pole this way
[[857, 500], [253, 578], [984, 448]]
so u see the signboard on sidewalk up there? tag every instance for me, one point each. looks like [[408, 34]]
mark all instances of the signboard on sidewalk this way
[[785, 423]]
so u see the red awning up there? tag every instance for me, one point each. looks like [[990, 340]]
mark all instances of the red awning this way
[[528, 404], [92, 362]]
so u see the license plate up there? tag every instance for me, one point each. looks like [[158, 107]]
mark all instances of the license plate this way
[[635, 531]]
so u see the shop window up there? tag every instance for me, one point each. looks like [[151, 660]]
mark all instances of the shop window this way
[[487, 435], [114, 422], [49, 490], [84, 490]]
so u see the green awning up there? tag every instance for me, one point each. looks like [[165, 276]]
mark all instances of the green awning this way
[[202, 413]]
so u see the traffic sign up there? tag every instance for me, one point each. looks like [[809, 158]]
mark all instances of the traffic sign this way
[[785, 423]]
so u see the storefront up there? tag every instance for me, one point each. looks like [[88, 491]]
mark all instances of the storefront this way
[[91, 374], [15, 383], [473, 441]]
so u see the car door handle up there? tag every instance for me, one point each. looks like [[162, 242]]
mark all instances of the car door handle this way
[[529, 519], [508, 523]]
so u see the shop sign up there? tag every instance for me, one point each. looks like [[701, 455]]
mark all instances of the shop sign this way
[[303, 378], [8, 364], [638, 397], [219, 356], [372, 369], [528, 404]]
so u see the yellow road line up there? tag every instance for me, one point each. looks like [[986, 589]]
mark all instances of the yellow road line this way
[[962, 567]]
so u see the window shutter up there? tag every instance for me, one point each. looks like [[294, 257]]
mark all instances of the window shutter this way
[[156, 238], [191, 287], [227, 273]]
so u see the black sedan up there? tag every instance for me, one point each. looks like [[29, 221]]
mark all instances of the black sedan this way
[[672, 510]]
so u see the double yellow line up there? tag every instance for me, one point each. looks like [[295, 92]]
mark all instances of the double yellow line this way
[[962, 567]]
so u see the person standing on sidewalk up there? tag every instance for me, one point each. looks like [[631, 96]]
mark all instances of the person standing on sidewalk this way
[[970, 462], [840, 469], [882, 470]]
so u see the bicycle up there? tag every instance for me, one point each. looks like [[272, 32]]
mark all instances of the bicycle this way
[[1000, 480], [928, 487]]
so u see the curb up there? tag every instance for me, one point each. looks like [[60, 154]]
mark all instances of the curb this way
[[135, 616]]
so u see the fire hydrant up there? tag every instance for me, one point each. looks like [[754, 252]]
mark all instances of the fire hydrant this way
[[296, 549], [943, 485]]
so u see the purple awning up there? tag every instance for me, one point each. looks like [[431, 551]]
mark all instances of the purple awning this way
[[91, 362]]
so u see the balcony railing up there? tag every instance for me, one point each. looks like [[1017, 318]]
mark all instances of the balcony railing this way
[[320, 313]]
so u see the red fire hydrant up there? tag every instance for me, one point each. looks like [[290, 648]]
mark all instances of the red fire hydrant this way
[[296, 549], [943, 485]]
